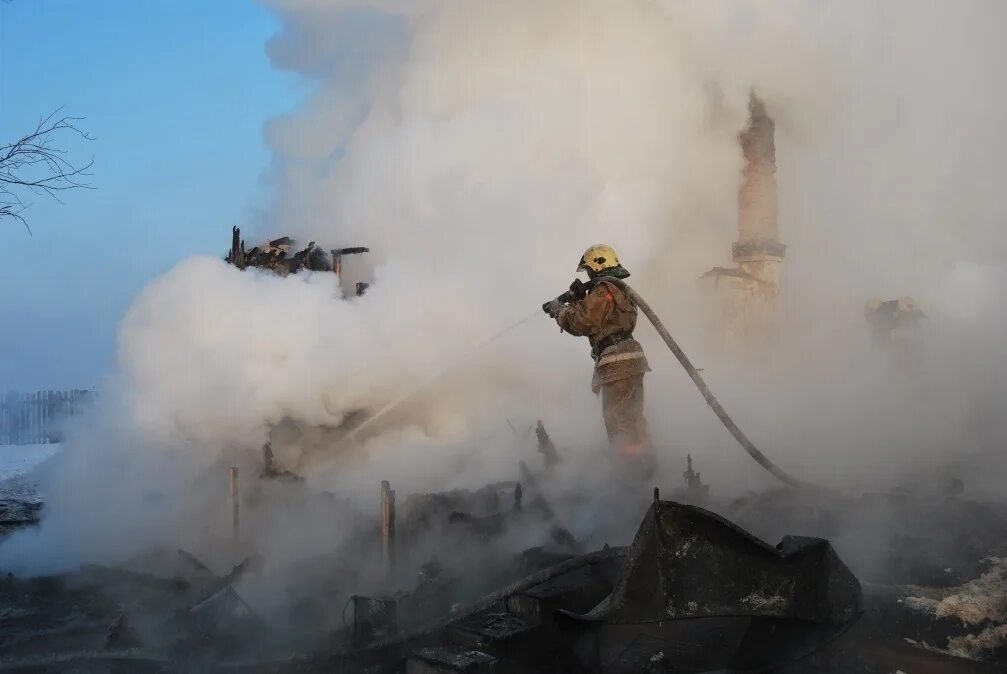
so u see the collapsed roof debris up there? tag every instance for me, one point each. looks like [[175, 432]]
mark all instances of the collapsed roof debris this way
[[281, 257], [545, 446], [693, 592], [533, 624]]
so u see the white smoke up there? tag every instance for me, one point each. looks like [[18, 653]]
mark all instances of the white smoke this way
[[477, 148]]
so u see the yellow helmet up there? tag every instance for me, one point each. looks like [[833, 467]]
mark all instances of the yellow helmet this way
[[602, 259]]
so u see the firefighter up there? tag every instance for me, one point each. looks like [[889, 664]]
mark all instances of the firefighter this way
[[607, 317]]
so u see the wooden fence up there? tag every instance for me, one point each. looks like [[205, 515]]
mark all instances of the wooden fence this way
[[37, 418]]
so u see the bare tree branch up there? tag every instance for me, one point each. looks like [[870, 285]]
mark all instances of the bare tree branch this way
[[36, 163]]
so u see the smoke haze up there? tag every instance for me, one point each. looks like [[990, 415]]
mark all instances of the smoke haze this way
[[477, 148]]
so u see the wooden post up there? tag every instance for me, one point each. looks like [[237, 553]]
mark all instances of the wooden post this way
[[234, 501], [232, 257], [337, 257], [388, 526]]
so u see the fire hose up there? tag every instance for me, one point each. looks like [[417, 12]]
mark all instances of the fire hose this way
[[578, 289]]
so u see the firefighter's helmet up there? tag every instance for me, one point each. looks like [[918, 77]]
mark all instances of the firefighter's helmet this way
[[602, 259]]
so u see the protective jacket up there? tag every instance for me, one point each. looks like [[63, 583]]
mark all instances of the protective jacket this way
[[607, 317]]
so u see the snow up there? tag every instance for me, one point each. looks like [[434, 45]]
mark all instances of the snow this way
[[17, 460], [16, 465], [982, 601]]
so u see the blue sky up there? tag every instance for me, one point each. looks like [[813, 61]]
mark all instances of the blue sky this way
[[175, 93]]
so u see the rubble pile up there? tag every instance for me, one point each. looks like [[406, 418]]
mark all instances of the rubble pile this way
[[491, 580], [691, 593], [120, 620], [280, 256]]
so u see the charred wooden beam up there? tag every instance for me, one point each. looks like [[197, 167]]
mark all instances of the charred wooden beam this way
[[235, 506], [388, 527], [400, 644], [269, 469], [220, 583], [545, 446], [236, 255], [696, 493]]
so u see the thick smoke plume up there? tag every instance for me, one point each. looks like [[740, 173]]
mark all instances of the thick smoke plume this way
[[477, 148]]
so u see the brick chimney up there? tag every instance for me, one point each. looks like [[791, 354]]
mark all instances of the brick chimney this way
[[758, 250], [747, 292]]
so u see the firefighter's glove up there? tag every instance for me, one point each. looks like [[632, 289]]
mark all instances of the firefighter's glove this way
[[552, 307], [578, 290]]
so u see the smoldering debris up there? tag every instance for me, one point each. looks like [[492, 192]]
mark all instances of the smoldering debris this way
[[280, 256], [113, 619], [692, 592], [611, 609]]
